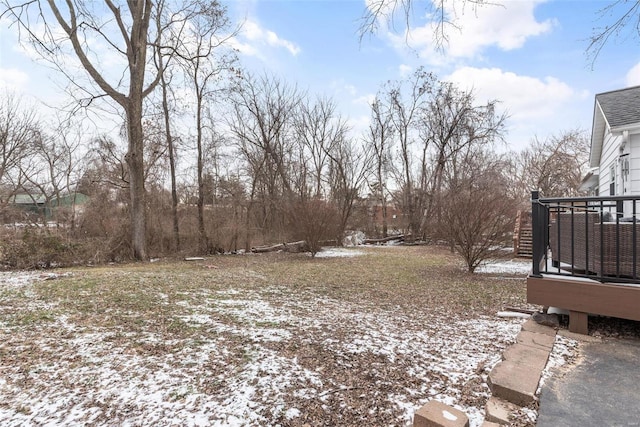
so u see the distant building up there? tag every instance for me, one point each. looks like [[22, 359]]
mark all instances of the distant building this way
[[39, 205]]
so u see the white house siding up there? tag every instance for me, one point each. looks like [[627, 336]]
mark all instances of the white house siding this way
[[634, 164], [609, 156]]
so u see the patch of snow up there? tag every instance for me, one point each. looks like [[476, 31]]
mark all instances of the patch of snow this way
[[87, 376], [449, 416], [514, 266], [10, 279], [338, 253], [564, 349], [292, 413], [475, 415]]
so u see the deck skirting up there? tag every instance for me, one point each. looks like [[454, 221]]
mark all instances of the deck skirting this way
[[582, 297]]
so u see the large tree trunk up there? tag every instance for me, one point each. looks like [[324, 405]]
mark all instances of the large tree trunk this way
[[135, 161], [136, 54]]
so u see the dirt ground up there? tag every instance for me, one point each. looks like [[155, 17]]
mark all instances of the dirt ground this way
[[356, 337]]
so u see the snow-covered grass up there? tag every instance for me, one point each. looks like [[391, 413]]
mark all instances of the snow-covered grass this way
[[262, 340], [338, 252], [512, 266]]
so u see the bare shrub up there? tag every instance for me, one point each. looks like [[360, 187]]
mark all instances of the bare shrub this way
[[313, 220], [36, 247], [477, 215], [105, 226]]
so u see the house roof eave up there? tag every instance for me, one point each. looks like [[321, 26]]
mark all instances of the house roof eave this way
[[597, 135], [631, 128]]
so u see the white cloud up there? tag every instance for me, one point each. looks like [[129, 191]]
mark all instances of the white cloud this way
[[341, 86], [524, 97], [633, 76], [506, 25], [536, 106], [365, 100], [255, 36], [12, 78], [405, 70]]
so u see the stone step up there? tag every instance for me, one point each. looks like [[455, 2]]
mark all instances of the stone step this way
[[516, 378], [536, 340], [437, 414], [498, 411], [514, 383], [533, 326]]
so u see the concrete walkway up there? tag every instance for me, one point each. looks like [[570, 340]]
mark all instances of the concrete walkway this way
[[602, 389]]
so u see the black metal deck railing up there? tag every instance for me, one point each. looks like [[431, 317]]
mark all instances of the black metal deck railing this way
[[591, 237]]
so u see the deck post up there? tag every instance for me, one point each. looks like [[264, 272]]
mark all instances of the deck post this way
[[579, 322], [538, 220]]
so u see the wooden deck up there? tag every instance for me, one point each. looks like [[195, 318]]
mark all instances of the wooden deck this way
[[583, 297]]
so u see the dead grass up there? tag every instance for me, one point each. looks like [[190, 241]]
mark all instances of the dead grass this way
[[289, 339]]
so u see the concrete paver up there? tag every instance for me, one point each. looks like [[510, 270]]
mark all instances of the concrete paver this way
[[437, 414], [531, 326], [514, 383], [530, 358], [516, 378], [536, 340]]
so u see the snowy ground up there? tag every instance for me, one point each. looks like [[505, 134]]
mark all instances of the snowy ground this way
[[235, 356], [513, 266]]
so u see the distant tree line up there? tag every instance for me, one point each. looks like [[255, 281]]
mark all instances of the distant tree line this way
[[211, 158]]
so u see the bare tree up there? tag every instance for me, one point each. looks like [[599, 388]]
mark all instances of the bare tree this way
[[170, 140], [451, 124], [204, 67], [554, 166], [349, 167], [379, 139], [444, 19], [312, 220], [52, 169], [625, 22], [407, 103], [106, 166], [329, 172], [127, 31], [476, 215], [19, 127], [134, 32], [318, 129], [621, 19], [261, 125], [232, 192]]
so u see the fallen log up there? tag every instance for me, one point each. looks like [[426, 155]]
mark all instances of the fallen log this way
[[399, 237], [270, 248], [298, 246]]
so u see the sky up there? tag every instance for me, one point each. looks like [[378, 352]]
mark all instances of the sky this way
[[529, 55]]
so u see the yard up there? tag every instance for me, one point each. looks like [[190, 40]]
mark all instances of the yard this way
[[364, 338]]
